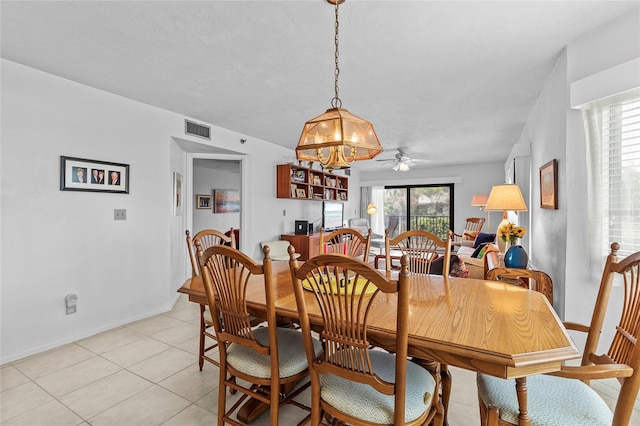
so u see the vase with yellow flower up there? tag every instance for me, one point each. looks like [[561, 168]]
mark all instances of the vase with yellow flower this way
[[516, 256]]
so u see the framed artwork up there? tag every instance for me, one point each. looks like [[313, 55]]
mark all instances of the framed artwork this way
[[301, 193], [226, 201], [549, 185], [177, 194], [81, 174], [203, 201]]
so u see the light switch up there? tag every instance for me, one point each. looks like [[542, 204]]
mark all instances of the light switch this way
[[119, 214]]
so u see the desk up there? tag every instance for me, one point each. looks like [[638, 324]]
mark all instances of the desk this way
[[484, 326]]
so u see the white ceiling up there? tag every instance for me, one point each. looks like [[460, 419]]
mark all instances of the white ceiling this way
[[454, 81]]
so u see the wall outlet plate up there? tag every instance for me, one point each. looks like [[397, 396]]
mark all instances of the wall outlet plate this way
[[119, 214]]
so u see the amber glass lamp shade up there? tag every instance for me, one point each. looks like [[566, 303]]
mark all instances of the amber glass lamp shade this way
[[336, 139], [372, 209]]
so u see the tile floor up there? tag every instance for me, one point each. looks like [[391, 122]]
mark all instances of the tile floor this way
[[146, 373]]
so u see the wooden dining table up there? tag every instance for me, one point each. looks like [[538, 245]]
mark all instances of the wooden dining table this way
[[489, 327]]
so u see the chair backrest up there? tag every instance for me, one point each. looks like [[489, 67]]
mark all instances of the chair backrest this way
[[472, 228], [624, 347], [345, 314], [345, 241], [226, 272], [359, 224], [421, 247], [527, 278], [202, 241]]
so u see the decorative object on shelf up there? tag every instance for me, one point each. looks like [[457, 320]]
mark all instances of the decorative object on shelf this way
[[549, 185], [80, 174], [337, 138], [516, 256], [505, 197], [226, 201], [480, 200]]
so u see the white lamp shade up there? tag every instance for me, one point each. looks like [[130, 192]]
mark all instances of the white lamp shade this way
[[479, 200], [506, 197]]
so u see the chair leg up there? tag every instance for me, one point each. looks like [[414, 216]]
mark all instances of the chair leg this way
[[446, 378], [202, 337]]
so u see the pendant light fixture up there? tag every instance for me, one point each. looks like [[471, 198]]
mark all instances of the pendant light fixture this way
[[337, 138]]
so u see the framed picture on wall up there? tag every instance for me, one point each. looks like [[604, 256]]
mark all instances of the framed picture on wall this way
[[549, 185], [226, 201], [81, 174], [203, 202], [177, 194]]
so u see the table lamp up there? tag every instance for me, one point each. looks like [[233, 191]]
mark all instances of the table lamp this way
[[505, 197], [480, 200]]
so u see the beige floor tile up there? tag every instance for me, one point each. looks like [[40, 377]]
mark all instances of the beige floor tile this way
[[53, 360], [109, 340], [11, 377], [52, 413], [74, 377], [153, 325], [152, 406], [192, 346], [21, 399], [177, 334], [193, 416], [184, 311], [103, 394], [135, 352], [191, 383], [163, 365]]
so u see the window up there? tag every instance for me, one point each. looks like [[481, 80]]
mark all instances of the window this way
[[427, 207], [614, 130]]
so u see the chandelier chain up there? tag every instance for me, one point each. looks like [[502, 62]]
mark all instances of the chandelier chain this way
[[336, 102]]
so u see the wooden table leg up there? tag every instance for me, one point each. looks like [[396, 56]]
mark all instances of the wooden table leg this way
[[445, 376], [521, 390]]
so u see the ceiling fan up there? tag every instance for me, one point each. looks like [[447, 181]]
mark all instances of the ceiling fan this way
[[401, 161]]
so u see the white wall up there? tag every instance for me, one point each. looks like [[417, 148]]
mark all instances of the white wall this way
[[560, 238], [56, 242]]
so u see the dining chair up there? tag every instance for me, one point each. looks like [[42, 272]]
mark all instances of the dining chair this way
[[271, 360], [526, 278], [195, 246], [346, 241], [472, 228], [423, 249], [565, 397], [353, 383]]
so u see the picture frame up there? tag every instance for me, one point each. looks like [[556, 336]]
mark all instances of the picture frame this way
[[203, 202], [82, 174], [316, 180], [301, 193], [177, 194], [298, 175], [226, 201], [549, 185]]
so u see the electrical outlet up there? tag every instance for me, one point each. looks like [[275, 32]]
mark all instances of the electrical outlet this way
[[71, 301], [119, 214]]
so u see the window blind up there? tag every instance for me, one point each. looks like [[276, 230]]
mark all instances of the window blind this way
[[620, 175]]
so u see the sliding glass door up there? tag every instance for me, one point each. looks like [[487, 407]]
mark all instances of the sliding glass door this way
[[427, 207]]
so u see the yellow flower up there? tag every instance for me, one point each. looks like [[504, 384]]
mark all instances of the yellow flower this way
[[511, 232]]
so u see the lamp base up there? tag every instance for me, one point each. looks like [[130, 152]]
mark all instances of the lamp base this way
[[502, 245]]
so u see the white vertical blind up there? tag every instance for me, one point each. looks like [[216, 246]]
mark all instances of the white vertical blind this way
[[619, 173]]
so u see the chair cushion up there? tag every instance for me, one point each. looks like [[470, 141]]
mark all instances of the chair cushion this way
[[291, 354], [483, 238], [551, 401], [374, 406]]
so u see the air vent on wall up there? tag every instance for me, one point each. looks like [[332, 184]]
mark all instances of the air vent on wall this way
[[195, 129]]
